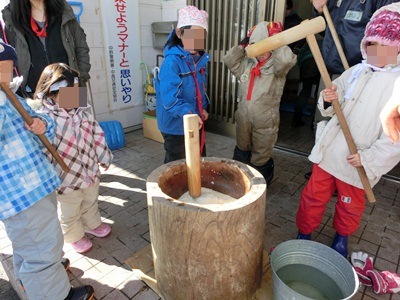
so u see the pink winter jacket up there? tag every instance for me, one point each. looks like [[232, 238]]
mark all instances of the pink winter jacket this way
[[80, 141]]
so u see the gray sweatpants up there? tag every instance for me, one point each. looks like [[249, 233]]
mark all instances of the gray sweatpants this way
[[37, 243]]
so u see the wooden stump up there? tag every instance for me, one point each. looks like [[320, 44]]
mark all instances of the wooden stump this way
[[207, 253]]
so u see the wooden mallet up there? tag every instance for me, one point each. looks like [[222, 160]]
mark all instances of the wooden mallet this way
[[192, 149], [286, 37], [29, 120], [307, 29], [312, 42]]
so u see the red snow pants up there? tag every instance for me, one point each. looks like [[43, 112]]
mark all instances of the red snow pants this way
[[318, 192]]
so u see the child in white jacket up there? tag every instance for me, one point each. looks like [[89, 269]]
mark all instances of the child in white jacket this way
[[362, 91], [81, 143]]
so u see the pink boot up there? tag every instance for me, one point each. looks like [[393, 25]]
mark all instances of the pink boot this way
[[83, 245], [101, 231], [384, 282]]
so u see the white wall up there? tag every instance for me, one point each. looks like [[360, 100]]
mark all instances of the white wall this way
[[150, 11], [155, 11], [170, 9], [91, 22], [3, 3]]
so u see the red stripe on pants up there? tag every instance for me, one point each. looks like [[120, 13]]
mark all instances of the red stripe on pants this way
[[318, 192]]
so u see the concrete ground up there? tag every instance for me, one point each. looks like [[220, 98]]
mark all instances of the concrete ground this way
[[123, 206]]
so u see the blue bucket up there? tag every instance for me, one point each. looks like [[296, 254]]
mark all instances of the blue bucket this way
[[114, 133]]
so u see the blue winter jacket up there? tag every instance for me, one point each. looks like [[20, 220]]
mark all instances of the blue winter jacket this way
[[176, 88], [350, 18], [26, 175]]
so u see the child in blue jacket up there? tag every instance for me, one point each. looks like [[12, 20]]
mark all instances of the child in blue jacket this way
[[182, 81], [28, 204]]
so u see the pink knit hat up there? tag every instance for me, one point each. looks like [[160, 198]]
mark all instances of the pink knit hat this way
[[192, 16], [383, 28]]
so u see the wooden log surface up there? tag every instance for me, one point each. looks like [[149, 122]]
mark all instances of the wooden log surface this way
[[201, 253]]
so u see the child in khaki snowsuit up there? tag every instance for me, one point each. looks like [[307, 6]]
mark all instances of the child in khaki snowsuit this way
[[262, 80]]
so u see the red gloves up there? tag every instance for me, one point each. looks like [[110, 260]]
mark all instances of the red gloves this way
[[362, 263], [274, 28], [245, 42]]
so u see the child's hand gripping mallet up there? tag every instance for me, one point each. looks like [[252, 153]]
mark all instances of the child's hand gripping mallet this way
[[28, 119], [286, 37], [192, 149], [312, 43]]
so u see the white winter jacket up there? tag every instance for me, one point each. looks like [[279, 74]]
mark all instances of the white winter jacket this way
[[362, 94]]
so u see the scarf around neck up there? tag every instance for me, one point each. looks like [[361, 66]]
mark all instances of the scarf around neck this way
[[40, 32], [255, 72]]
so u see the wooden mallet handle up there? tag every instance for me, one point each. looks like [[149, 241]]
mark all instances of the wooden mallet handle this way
[[192, 149], [335, 36], [287, 37], [28, 119], [312, 42]]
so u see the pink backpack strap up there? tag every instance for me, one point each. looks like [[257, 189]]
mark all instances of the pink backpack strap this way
[[6, 41]]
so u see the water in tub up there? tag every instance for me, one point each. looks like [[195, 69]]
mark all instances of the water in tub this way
[[310, 282]]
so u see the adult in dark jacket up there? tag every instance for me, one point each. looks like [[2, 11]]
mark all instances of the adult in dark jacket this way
[[44, 32], [350, 19]]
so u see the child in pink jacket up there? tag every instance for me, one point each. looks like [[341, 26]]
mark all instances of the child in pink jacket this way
[[81, 143]]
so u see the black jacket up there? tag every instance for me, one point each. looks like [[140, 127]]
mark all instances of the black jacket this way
[[73, 41], [350, 28]]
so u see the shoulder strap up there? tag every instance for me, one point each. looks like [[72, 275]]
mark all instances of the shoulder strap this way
[[6, 41]]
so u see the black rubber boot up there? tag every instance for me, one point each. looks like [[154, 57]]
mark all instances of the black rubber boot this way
[[242, 156], [266, 170], [85, 292]]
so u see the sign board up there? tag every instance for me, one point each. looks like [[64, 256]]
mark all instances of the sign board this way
[[122, 53]]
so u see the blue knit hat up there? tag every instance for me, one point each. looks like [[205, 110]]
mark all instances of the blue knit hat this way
[[8, 53]]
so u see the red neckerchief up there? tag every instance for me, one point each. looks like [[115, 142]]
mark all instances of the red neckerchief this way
[[253, 73], [35, 28]]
